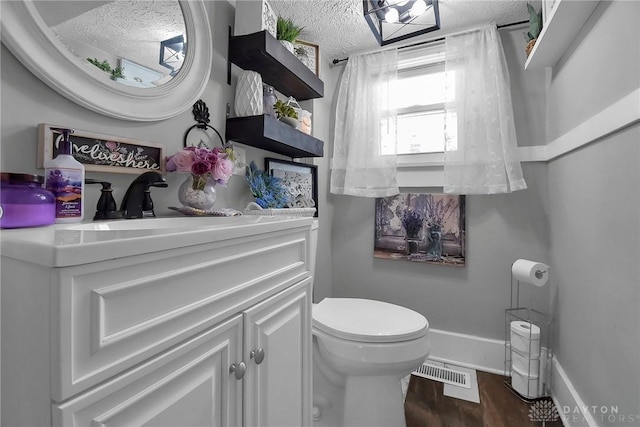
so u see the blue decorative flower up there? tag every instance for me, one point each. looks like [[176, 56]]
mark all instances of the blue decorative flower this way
[[267, 189]]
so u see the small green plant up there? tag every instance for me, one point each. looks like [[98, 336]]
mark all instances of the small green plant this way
[[284, 110], [116, 73], [535, 23], [104, 65], [287, 30]]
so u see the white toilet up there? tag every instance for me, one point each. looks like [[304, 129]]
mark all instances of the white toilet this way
[[361, 350]]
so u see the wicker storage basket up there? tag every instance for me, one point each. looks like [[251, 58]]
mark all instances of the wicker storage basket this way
[[529, 47]]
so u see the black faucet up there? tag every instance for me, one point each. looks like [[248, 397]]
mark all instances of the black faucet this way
[[137, 201]]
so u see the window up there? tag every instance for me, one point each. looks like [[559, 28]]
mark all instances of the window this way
[[419, 98]]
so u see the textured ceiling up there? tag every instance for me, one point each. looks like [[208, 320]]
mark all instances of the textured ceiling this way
[[131, 29], [339, 28]]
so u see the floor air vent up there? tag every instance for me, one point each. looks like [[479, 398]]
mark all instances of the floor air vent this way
[[444, 375]]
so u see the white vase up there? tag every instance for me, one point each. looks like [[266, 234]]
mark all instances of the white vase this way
[[288, 45], [248, 100]]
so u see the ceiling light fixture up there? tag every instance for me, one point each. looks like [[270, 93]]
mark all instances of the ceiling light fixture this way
[[172, 53], [392, 21]]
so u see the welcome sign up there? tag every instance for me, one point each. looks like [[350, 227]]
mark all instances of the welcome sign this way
[[102, 153]]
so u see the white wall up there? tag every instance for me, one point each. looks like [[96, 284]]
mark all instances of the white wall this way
[[594, 195]]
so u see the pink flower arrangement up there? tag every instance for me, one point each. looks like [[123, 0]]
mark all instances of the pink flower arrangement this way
[[203, 162]]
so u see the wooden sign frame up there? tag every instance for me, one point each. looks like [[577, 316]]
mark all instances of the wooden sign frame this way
[[103, 153]]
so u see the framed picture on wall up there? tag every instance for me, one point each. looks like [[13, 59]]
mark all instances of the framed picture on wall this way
[[300, 180], [308, 54], [421, 227]]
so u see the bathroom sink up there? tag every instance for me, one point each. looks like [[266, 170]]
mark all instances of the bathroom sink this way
[[62, 245], [164, 223]]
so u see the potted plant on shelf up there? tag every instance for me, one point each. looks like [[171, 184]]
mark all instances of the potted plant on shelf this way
[[286, 113], [535, 26], [287, 32]]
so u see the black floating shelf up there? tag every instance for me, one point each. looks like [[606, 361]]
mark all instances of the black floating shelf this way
[[279, 68], [269, 134]]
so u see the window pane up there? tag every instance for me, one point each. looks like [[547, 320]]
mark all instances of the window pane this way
[[421, 132], [426, 89]]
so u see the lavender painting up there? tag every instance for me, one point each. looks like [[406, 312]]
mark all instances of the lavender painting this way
[[426, 228]]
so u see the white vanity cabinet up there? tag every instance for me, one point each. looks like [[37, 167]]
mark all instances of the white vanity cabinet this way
[[212, 334]]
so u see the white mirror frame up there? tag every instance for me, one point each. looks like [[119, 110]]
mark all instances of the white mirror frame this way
[[26, 35]]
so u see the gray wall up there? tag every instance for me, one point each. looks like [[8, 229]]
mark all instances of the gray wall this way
[[594, 195], [323, 122], [500, 229]]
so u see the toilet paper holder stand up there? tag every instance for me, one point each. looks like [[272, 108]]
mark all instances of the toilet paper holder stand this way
[[534, 382]]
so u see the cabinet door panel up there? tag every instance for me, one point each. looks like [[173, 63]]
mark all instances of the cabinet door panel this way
[[277, 391], [187, 386], [115, 314]]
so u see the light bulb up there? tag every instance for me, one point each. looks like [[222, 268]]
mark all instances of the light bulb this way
[[418, 8], [392, 15]]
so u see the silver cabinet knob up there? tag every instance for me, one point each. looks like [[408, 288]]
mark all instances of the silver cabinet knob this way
[[239, 370], [257, 356]]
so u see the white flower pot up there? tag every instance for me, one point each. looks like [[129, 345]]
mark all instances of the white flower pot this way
[[287, 44], [290, 121], [248, 100]]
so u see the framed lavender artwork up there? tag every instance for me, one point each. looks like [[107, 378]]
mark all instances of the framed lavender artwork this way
[[421, 227]]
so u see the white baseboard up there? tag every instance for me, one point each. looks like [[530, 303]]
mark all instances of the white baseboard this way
[[488, 355], [468, 351], [572, 409]]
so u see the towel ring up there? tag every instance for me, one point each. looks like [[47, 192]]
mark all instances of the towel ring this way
[[201, 115]]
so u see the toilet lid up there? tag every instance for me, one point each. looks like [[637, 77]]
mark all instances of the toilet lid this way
[[368, 320]]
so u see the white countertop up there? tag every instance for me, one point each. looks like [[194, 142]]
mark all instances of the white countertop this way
[[62, 245]]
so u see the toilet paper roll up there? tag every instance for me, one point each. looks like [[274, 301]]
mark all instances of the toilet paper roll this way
[[525, 338], [535, 273], [525, 329]]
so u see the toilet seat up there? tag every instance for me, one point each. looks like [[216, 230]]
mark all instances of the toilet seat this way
[[371, 321]]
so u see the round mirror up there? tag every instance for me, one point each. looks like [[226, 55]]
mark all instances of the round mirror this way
[[137, 43], [84, 55]]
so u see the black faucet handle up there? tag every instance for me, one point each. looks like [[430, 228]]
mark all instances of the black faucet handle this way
[[106, 208]]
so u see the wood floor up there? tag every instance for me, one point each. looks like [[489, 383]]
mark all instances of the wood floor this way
[[426, 406]]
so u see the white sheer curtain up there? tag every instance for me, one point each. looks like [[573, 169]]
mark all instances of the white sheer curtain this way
[[480, 149], [364, 118]]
